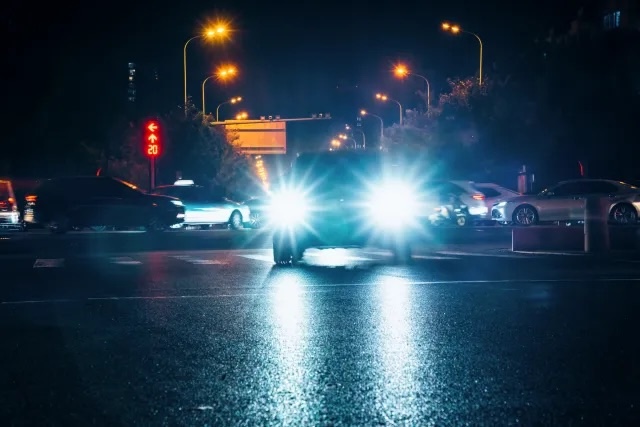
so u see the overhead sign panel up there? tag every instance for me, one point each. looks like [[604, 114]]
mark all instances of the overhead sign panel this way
[[257, 137]]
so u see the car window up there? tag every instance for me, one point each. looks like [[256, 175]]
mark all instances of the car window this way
[[110, 188], [602, 187], [4, 191], [567, 189], [487, 191]]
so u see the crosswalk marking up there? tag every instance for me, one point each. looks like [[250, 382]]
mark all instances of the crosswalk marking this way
[[48, 263], [124, 260], [198, 261]]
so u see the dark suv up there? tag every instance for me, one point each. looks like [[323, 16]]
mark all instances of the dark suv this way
[[65, 203], [343, 199]]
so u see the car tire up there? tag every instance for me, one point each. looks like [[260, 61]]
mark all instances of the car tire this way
[[235, 220], [60, 225], [255, 219], [285, 252], [402, 253], [623, 214], [525, 215], [155, 225]]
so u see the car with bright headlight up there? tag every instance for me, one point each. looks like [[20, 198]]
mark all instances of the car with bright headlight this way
[[343, 199]]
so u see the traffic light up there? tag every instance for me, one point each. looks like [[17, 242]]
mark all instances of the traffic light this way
[[152, 138]]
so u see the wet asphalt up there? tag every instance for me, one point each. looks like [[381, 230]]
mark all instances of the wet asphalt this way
[[201, 329]]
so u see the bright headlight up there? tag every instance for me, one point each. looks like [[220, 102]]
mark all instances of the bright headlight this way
[[393, 203], [177, 202], [288, 207]]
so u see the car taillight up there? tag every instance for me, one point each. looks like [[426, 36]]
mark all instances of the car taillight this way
[[478, 196], [31, 199]]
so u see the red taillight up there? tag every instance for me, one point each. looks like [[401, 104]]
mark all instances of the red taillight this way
[[31, 199], [478, 196]]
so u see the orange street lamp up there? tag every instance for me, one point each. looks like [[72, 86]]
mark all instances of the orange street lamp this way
[[335, 143], [366, 113], [242, 116], [455, 29], [230, 101], [220, 30], [402, 71], [384, 98], [226, 72]]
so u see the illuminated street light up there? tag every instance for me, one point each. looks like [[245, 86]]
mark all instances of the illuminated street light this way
[[455, 29], [384, 98], [226, 72], [220, 30], [335, 143], [234, 100], [242, 116], [364, 137], [366, 113], [402, 71]]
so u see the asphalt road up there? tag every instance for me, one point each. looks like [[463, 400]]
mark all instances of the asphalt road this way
[[113, 330]]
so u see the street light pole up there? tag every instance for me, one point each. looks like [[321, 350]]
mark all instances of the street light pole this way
[[455, 29], [428, 89], [479, 41], [204, 112], [184, 61], [366, 113]]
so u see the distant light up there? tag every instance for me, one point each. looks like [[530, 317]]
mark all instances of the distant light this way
[[184, 182]]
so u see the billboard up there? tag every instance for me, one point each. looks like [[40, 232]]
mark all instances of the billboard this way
[[259, 137]]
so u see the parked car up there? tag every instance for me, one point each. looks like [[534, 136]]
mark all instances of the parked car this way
[[565, 201], [63, 204], [204, 207], [493, 194], [9, 212]]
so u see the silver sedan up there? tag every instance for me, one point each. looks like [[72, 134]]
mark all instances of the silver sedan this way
[[566, 202]]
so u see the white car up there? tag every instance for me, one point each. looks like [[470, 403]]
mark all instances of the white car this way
[[493, 194], [478, 197], [565, 201]]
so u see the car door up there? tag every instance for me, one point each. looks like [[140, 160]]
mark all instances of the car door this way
[[118, 204], [560, 203]]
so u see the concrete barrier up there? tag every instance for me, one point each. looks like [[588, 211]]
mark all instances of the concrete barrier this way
[[571, 239], [547, 238]]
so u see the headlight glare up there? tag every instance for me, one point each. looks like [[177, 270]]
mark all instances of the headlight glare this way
[[288, 207], [393, 204]]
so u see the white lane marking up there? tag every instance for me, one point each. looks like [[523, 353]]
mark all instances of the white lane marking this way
[[258, 257], [198, 261], [329, 285], [550, 253], [460, 253], [157, 297], [48, 263], [124, 260], [433, 257]]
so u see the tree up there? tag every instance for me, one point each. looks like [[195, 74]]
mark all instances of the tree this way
[[190, 147]]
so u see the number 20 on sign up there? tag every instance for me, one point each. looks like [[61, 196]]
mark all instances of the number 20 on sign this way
[[152, 139]]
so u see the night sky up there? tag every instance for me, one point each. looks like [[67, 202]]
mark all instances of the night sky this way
[[295, 58]]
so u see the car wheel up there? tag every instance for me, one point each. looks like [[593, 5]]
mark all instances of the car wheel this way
[[461, 221], [402, 253], [525, 215], [60, 224], [235, 221], [285, 252], [623, 214], [255, 219], [155, 225]]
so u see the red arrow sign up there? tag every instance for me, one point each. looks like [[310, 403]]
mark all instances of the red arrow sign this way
[[153, 138], [152, 127]]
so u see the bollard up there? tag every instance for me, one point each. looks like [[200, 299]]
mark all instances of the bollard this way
[[596, 224]]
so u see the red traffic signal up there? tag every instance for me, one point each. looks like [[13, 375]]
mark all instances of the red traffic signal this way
[[152, 138]]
